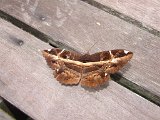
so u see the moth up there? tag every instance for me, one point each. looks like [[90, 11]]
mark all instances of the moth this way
[[71, 68]]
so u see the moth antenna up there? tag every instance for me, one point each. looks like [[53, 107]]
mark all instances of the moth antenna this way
[[60, 52], [91, 47], [111, 54]]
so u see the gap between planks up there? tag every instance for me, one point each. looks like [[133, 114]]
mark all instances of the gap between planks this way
[[117, 78], [34, 31], [124, 17]]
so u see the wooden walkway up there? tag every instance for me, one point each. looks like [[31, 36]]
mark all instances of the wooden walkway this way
[[28, 83]]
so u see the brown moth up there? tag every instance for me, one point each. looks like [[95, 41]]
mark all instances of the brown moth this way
[[89, 70]]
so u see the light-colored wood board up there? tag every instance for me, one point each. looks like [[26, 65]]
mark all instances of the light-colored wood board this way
[[80, 25], [145, 11], [27, 82], [5, 116]]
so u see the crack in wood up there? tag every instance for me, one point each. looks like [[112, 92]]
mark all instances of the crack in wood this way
[[16, 41], [34, 32], [136, 89], [124, 17]]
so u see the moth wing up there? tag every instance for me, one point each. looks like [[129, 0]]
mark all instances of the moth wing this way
[[118, 59], [62, 73], [67, 76], [54, 64], [94, 79]]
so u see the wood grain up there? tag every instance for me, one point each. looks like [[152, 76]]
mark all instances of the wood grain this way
[[28, 83], [147, 12], [80, 25]]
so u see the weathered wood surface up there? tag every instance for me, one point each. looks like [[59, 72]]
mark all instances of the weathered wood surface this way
[[145, 11], [28, 83], [81, 25], [4, 116]]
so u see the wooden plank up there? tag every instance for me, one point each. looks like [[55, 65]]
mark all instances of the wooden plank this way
[[147, 12], [28, 83], [81, 25], [4, 116]]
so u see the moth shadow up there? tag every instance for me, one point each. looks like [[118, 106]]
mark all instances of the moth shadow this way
[[97, 89], [117, 77], [70, 85]]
